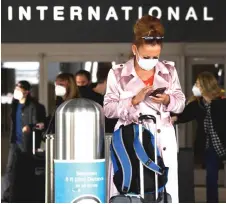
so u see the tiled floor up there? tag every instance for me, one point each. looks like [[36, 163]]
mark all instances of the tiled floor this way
[[200, 195]]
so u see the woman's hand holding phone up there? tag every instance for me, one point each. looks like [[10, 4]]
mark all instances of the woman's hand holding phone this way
[[161, 99], [141, 95], [158, 96]]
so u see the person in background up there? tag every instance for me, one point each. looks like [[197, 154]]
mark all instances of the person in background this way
[[40, 126], [83, 81], [26, 114], [83, 78], [65, 89], [96, 91], [208, 108], [102, 74], [100, 89], [128, 92]]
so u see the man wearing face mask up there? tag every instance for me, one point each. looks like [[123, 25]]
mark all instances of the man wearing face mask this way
[[208, 108], [100, 89], [26, 113]]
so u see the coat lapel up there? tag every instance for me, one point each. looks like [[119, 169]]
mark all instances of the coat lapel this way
[[133, 84], [161, 76]]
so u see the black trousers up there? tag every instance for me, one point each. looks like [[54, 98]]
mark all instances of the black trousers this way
[[9, 177]]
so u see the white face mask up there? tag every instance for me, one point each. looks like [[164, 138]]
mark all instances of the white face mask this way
[[147, 64], [196, 91], [18, 95], [60, 90]]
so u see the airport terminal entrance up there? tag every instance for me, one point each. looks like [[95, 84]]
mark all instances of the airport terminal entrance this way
[[190, 59], [47, 61]]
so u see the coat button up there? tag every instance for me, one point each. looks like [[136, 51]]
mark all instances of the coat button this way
[[158, 130], [158, 113], [164, 148]]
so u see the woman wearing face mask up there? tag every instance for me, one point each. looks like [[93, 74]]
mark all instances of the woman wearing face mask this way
[[65, 89], [128, 93], [208, 108]]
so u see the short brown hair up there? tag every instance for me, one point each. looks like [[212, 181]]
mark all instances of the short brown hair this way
[[147, 26], [72, 89]]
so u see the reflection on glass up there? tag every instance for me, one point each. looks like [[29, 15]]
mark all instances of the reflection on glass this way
[[94, 72], [88, 66], [24, 71]]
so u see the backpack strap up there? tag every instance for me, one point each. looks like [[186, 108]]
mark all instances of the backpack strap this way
[[123, 157], [113, 159], [142, 155]]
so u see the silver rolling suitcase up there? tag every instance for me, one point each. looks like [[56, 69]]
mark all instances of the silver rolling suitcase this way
[[141, 198]]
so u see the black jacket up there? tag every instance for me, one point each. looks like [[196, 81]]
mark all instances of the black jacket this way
[[196, 110], [32, 113], [50, 120], [87, 92]]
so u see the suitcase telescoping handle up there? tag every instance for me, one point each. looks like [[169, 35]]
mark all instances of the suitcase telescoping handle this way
[[177, 136], [147, 117], [33, 140], [34, 129], [141, 119]]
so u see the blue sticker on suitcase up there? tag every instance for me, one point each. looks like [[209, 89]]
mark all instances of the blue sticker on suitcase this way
[[80, 181]]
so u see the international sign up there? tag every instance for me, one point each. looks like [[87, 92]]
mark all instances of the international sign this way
[[108, 21]]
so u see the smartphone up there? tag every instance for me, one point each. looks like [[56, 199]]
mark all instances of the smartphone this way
[[158, 91]]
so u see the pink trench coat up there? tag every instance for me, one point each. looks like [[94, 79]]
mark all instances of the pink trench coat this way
[[122, 84]]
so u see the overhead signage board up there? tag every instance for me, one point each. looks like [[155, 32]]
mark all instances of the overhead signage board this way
[[48, 21]]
